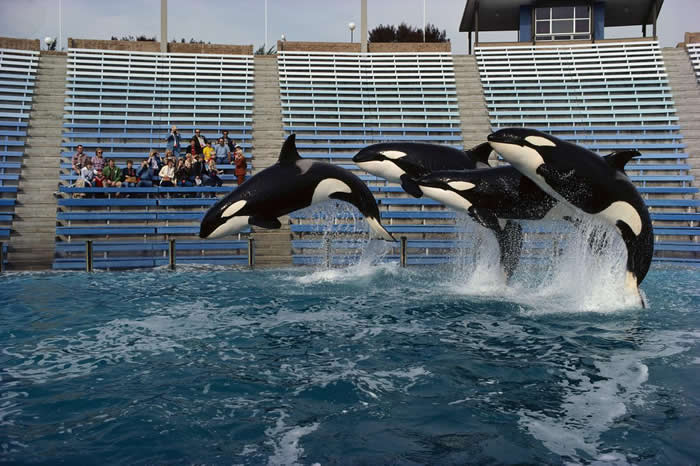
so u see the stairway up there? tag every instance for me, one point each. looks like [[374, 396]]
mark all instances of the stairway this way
[[33, 234], [686, 96], [472, 106], [273, 248]]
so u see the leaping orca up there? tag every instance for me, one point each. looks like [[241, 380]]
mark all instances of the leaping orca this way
[[290, 184], [582, 179], [403, 162], [493, 197]]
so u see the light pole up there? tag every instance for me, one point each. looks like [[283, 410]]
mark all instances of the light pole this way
[[352, 29]]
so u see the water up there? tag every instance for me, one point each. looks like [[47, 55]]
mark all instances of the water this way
[[370, 364]]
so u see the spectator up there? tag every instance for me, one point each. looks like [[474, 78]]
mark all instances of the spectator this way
[[129, 173], [199, 141], [98, 162], [99, 179], [173, 141], [199, 171], [208, 151], [155, 162], [79, 159], [192, 148], [241, 167], [113, 175], [229, 142], [167, 174], [213, 173], [169, 155], [145, 175], [182, 173], [87, 174], [223, 153]]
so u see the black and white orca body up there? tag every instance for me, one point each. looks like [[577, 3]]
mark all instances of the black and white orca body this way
[[584, 180], [493, 197], [403, 162], [291, 184]]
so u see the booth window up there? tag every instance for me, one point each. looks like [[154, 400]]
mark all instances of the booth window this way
[[562, 23]]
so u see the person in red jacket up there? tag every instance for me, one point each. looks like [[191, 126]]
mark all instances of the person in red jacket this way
[[241, 168]]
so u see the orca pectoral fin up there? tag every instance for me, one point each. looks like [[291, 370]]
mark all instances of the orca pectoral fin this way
[[410, 186], [262, 222], [485, 218]]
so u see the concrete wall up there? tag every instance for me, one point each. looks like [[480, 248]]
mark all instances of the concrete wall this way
[[387, 47], [19, 44], [150, 46]]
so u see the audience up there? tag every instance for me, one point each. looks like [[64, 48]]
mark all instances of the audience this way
[[98, 162], [199, 141], [99, 179], [208, 151], [229, 142], [167, 174], [223, 153], [79, 160], [241, 168], [155, 162], [214, 179], [87, 175], [182, 173], [145, 175], [113, 175], [129, 173], [173, 141]]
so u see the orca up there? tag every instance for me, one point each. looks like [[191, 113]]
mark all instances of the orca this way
[[403, 162], [291, 184], [587, 182], [494, 198]]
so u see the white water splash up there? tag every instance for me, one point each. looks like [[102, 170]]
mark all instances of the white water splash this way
[[572, 274], [285, 441]]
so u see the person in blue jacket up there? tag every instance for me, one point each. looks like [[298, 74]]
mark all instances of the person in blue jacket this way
[[145, 175], [173, 141]]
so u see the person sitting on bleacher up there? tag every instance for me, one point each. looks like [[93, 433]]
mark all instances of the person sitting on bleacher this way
[[241, 168], [223, 153], [228, 141], [130, 177], [145, 175], [99, 179], [213, 173], [167, 174], [173, 141], [199, 172], [98, 162], [208, 151], [155, 162], [182, 173], [87, 174], [79, 159], [113, 175], [199, 141]]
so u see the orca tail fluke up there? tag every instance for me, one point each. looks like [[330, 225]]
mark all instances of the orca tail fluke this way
[[510, 241], [378, 229]]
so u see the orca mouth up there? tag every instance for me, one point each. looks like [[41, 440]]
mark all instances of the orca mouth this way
[[367, 155]]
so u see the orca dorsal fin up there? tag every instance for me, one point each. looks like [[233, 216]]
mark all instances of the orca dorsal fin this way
[[289, 154], [480, 153], [619, 159]]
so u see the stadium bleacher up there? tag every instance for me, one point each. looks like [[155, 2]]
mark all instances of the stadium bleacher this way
[[338, 103], [694, 54], [604, 96], [17, 77], [125, 103]]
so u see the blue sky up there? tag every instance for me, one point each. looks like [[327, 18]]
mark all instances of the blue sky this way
[[242, 21]]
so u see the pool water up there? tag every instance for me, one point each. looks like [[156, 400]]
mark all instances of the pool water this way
[[369, 364]]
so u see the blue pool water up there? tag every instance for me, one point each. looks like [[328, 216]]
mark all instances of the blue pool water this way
[[361, 365]]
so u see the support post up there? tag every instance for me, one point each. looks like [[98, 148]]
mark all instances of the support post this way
[[644, 30], [363, 26], [171, 254], [164, 26], [88, 255], [2, 257], [403, 251], [251, 252], [469, 34], [476, 25], [653, 14]]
